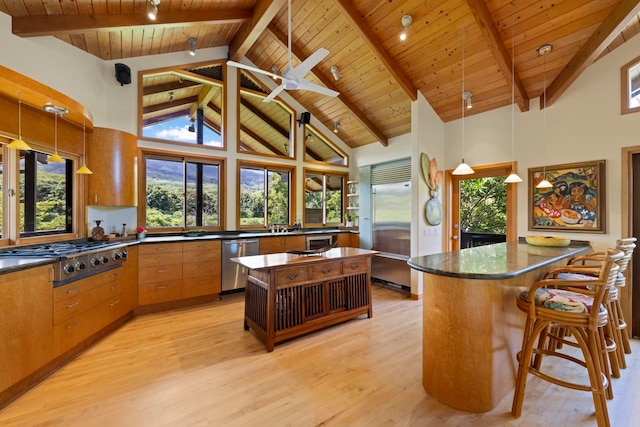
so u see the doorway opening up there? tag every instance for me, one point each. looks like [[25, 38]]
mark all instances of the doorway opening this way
[[483, 208], [630, 227]]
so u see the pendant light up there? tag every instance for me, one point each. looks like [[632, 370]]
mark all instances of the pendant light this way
[[19, 144], [55, 157], [544, 50], [513, 176], [463, 168], [84, 170]]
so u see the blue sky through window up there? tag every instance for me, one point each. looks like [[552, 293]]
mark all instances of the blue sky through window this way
[[178, 130]]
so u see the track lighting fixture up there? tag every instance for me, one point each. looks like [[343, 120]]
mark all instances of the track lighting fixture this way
[[336, 127], [170, 96], [274, 70], [335, 73], [192, 126], [406, 21], [152, 9], [467, 99], [192, 43]]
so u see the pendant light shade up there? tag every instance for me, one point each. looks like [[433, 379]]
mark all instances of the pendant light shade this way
[[19, 144], [55, 157], [513, 177], [463, 168], [84, 170], [544, 50]]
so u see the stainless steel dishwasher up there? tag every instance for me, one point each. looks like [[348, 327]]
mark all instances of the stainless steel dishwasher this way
[[234, 276]]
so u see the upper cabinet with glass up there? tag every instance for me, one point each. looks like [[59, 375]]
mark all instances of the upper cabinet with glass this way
[[266, 128], [183, 105], [318, 149], [630, 77]]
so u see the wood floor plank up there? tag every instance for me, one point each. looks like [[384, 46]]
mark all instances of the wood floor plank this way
[[198, 367]]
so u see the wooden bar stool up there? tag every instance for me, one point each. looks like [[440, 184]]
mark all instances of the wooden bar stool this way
[[563, 303]]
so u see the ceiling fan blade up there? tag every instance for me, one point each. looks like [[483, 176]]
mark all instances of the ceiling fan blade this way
[[253, 69], [274, 93], [301, 70], [307, 85]]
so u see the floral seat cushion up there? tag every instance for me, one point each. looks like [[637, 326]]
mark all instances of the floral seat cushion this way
[[562, 300]]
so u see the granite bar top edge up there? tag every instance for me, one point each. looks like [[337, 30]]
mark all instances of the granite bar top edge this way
[[448, 264]]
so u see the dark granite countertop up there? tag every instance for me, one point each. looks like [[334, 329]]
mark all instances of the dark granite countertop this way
[[229, 235], [497, 261]]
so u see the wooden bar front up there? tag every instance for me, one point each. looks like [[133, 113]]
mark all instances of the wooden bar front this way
[[472, 329], [288, 295]]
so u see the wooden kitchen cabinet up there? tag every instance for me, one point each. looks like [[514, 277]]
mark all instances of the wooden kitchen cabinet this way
[[159, 273], [25, 322], [82, 308], [112, 156], [282, 243], [351, 240], [201, 268], [130, 280]]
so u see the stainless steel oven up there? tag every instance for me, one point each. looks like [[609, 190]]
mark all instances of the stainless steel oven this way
[[317, 242]]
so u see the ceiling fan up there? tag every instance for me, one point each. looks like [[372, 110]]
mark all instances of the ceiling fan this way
[[293, 78]]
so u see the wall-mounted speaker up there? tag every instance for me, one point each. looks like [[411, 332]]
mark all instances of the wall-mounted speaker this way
[[123, 74], [305, 118]]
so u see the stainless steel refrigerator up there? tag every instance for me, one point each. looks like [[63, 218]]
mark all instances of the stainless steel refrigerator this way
[[391, 232]]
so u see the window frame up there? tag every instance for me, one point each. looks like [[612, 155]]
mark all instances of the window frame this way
[[327, 142], [279, 167], [184, 69], [345, 188], [292, 122], [179, 157], [625, 91]]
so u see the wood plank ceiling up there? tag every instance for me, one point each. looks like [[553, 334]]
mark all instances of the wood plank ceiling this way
[[379, 74]]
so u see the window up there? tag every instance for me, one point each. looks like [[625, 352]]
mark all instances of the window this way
[[46, 191], [266, 128], [182, 193], [264, 194], [318, 148], [630, 78], [183, 105], [324, 197]]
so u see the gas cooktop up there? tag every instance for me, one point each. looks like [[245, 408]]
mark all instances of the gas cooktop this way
[[59, 249]]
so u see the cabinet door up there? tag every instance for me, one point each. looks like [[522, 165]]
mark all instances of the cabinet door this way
[[130, 280], [112, 159], [351, 240], [271, 245], [201, 268], [25, 322]]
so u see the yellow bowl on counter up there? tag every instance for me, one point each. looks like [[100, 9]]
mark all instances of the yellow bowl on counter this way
[[547, 241]]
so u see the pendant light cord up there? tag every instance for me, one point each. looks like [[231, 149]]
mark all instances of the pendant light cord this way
[[462, 94], [513, 92], [19, 115], [544, 116]]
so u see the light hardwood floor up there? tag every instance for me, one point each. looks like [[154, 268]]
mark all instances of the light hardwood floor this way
[[198, 367]]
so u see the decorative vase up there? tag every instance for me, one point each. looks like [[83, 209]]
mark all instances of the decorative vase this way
[[142, 235], [97, 233]]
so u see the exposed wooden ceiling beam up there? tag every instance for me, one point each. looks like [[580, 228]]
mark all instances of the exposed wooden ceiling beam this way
[[263, 13], [167, 105], [499, 51], [589, 52], [327, 81], [266, 119], [54, 25], [168, 87], [369, 38], [165, 117]]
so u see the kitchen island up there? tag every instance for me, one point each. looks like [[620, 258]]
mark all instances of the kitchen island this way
[[472, 329], [288, 295]]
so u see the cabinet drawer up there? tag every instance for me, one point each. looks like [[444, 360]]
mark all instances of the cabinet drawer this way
[[203, 285], [160, 248], [197, 269], [326, 270], [202, 245], [78, 328], [355, 266], [195, 257], [74, 289], [86, 300], [292, 275], [153, 293], [160, 259], [159, 273]]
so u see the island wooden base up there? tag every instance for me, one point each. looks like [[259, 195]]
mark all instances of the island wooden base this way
[[288, 300], [472, 332]]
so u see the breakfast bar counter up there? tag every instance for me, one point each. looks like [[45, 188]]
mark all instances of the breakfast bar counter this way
[[288, 295], [472, 329]]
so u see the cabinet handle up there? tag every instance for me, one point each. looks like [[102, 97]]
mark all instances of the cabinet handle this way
[[162, 271], [113, 304], [355, 266], [95, 198], [161, 287], [73, 304], [327, 271], [293, 276], [114, 287], [71, 325], [160, 257], [72, 290], [114, 275]]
